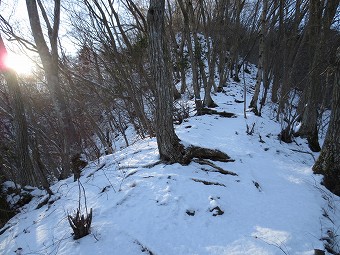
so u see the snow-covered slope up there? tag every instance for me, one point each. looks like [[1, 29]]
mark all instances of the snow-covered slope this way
[[274, 204]]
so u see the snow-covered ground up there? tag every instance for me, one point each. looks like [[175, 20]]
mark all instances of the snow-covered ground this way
[[274, 205]]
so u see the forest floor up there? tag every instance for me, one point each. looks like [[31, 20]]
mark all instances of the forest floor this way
[[274, 205]]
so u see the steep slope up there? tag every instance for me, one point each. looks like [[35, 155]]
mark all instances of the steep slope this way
[[273, 205]]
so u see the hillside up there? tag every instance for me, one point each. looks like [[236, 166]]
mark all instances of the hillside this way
[[273, 205]]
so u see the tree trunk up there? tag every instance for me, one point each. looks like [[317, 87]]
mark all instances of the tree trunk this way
[[194, 64], [211, 58], [259, 76], [235, 49], [168, 143], [328, 162], [26, 173], [208, 101], [310, 115], [182, 66], [39, 166], [49, 61]]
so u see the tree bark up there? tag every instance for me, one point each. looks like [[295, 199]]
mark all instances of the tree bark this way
[[328, 162], [168, 143]]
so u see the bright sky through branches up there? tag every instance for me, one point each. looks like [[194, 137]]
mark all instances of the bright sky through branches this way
[[19, 63]]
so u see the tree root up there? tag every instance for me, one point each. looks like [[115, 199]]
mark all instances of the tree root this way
[[218, 169], [204, 153], [208, 182], [207, 111], [192, 153], [144, 249]]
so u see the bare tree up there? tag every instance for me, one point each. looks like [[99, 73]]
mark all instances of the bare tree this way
[[318, 25], [122, 56], [328, 162], [26, 172], [310, 115], [169, 146], [259, 76], [194, 65], [49, 59], [235, 50]]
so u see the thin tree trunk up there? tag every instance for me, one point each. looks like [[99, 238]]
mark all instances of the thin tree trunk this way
[[40, 167], [235, 51], [208, 101], [310, 115], [26, 172], [221, 43], [266, 81], [194, 64], [182, 65], [259, 76], [211, 57], [49, 61]]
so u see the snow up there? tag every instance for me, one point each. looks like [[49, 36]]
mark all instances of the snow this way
[[273, 206]]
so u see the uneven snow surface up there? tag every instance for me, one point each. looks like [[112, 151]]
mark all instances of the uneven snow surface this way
[[273, 206]]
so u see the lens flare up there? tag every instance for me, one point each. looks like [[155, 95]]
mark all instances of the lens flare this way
[[19, 63]]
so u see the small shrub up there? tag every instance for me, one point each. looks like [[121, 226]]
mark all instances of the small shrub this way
[[80, 224], [250, 129]]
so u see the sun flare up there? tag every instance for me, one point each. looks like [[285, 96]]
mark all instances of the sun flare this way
[[19, 63]]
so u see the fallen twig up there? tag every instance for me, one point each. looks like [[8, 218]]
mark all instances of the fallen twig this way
[[306, 152]]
